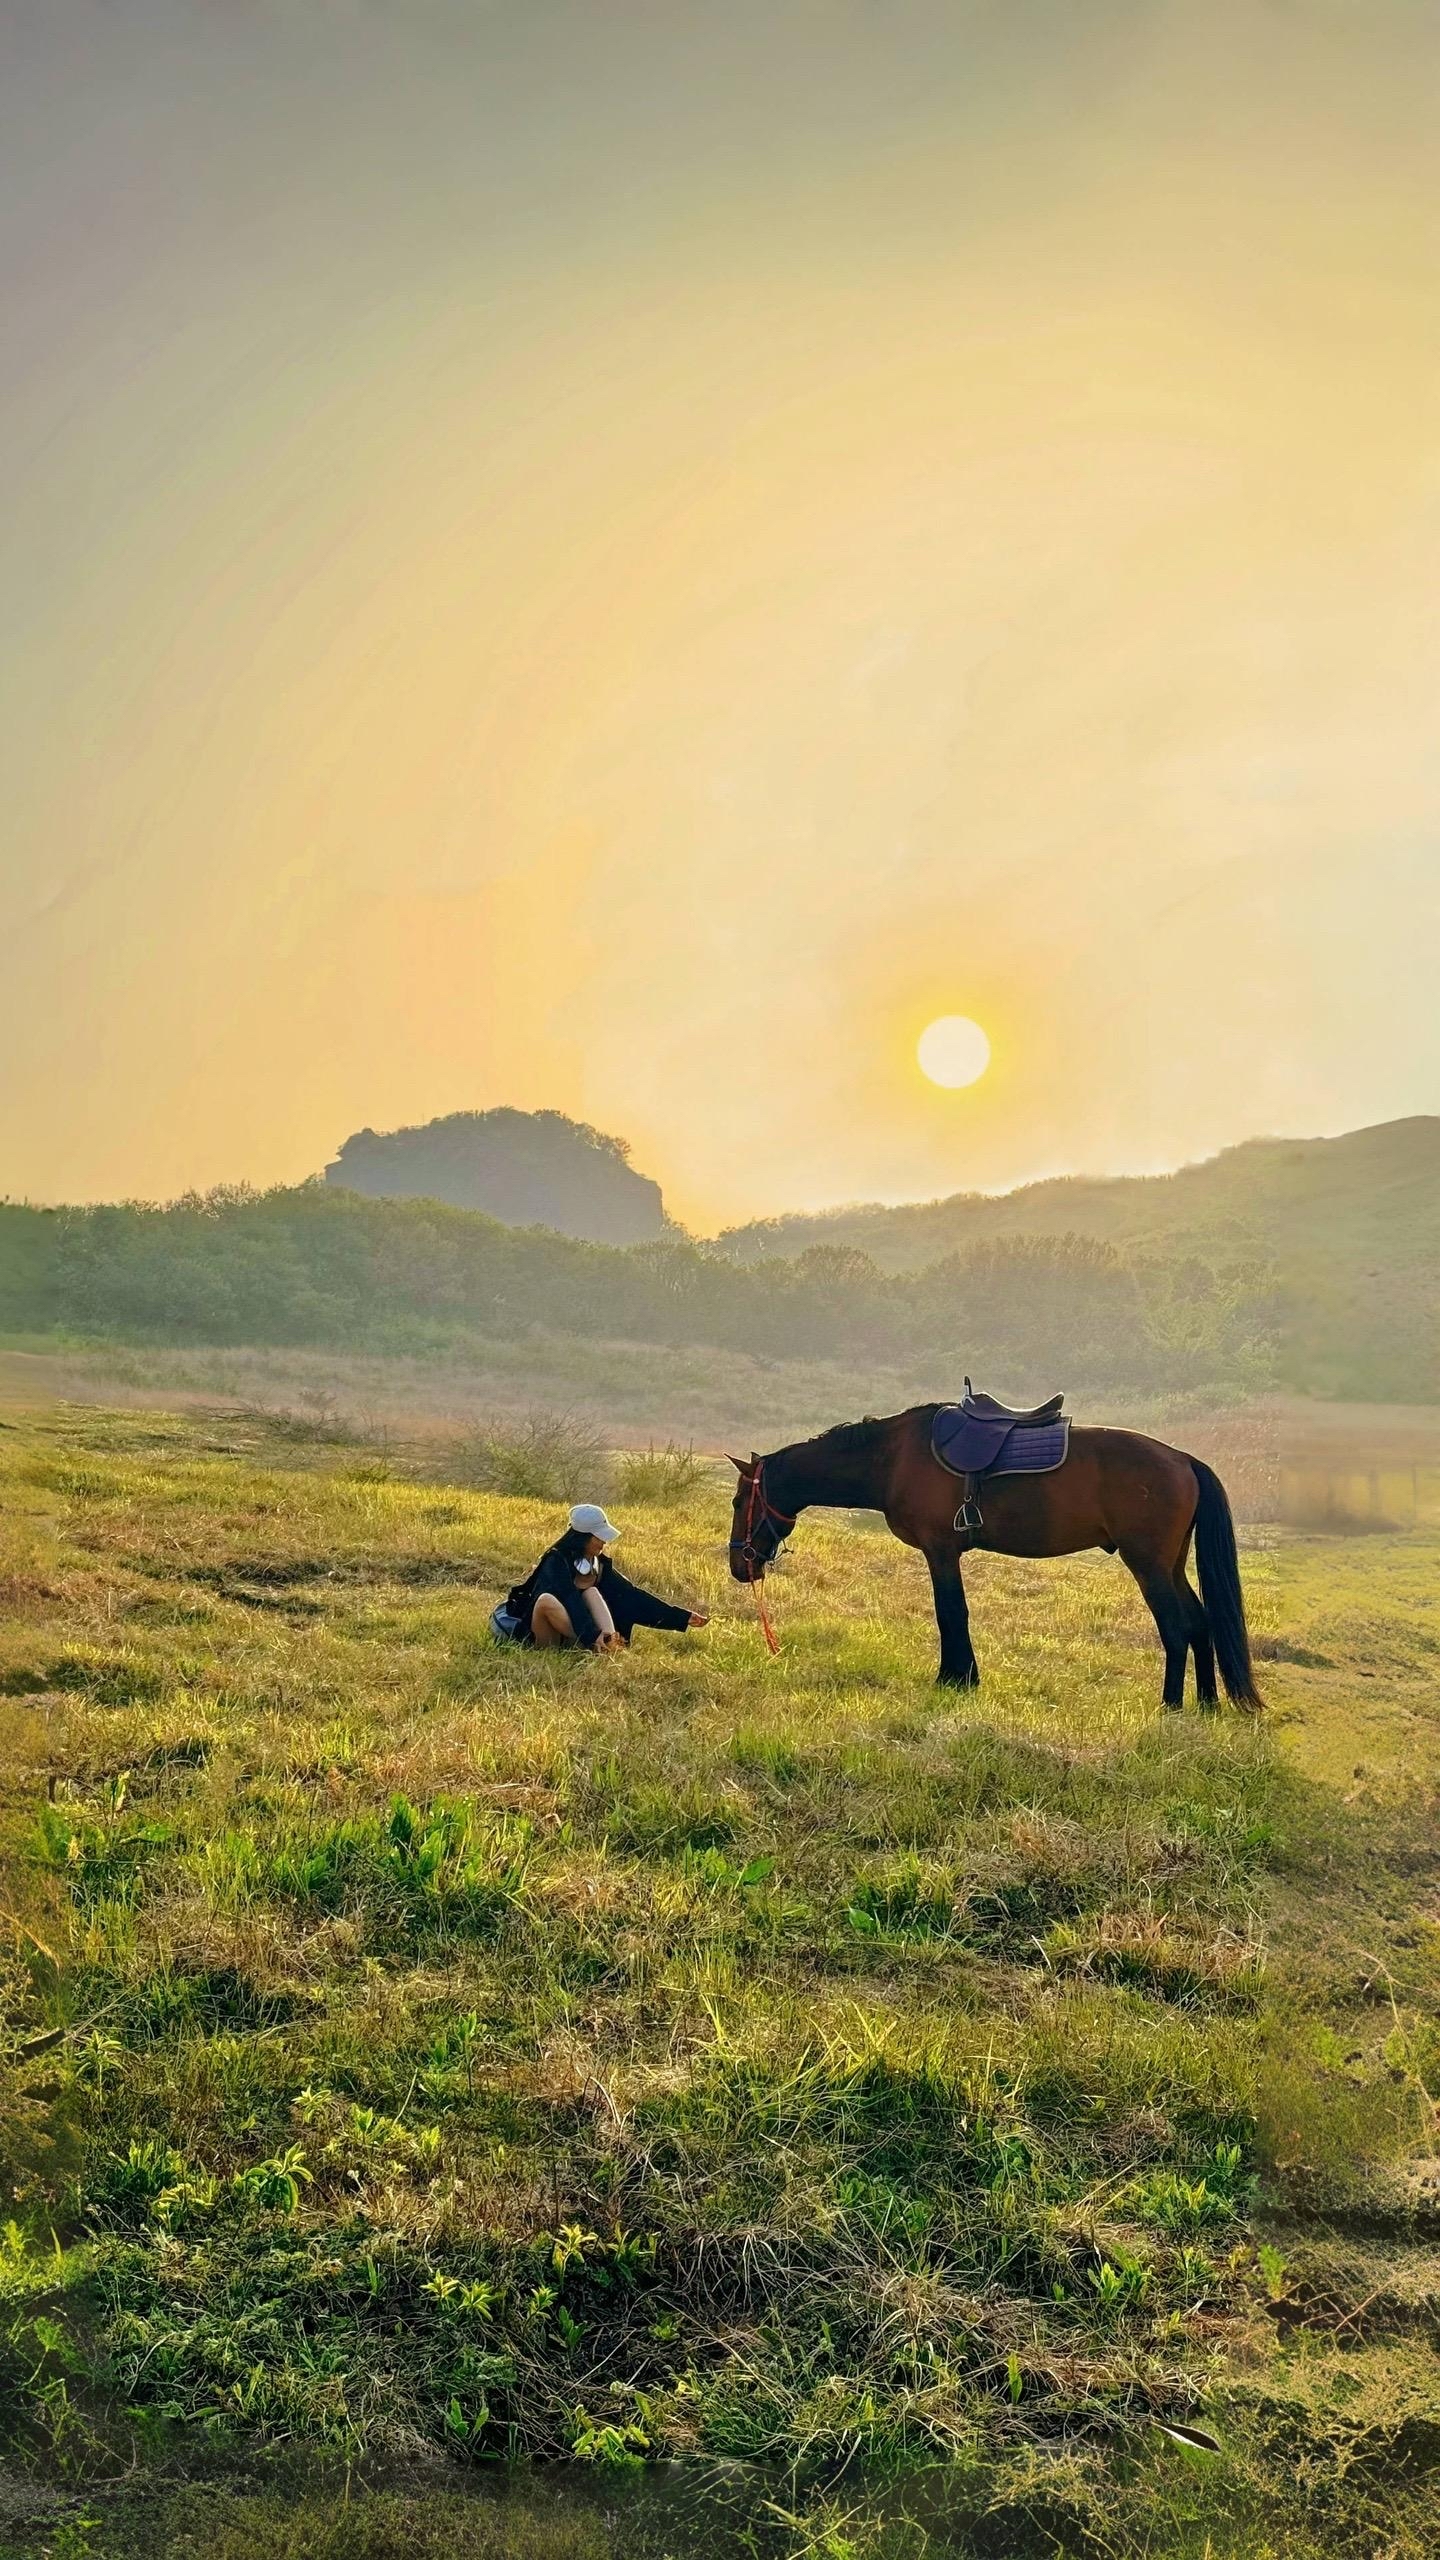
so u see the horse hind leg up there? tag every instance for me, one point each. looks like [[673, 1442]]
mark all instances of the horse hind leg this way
[[1169, 1613], [1201, 1644], [1197, 1627]]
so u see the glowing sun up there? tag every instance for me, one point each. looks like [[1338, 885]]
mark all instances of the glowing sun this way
[[953, 1051]]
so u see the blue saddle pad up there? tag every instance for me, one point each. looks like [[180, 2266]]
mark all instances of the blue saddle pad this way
[[971, 1445]]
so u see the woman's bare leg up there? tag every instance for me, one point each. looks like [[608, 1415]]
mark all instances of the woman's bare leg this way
[[600, 1612], [550, 1621]]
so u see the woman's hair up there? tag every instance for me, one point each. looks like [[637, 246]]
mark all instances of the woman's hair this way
[[572, 1545]]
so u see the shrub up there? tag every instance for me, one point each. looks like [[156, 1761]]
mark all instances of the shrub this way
[[659, 1475], [546, 1457]]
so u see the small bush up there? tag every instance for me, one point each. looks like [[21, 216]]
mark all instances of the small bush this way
[[546, 1457], [314, 1421], [656, 1475]]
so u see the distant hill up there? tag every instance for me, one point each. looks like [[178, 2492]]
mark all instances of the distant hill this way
[[322, 1264], [1313, 1266], [1372, 1191], [527, 1168], [1348, 1227]]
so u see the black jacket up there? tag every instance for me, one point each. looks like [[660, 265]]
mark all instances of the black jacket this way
[[629, 1606]]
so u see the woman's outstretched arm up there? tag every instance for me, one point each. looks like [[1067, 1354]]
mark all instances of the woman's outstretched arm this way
[[632, 1607]]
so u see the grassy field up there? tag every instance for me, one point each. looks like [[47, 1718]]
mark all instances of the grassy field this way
[[421, 1413], [810, 2112], [420, 1408]]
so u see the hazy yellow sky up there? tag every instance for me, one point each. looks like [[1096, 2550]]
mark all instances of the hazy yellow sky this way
[[623, 554]]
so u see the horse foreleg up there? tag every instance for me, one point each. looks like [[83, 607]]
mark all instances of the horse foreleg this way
[[958, 1666]]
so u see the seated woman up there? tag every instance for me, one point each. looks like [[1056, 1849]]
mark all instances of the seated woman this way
[[576, 1596]]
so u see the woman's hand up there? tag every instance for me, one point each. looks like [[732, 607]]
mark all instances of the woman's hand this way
[[699, 1617]]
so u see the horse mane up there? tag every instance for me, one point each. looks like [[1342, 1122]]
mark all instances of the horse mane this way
[[850, 1435]]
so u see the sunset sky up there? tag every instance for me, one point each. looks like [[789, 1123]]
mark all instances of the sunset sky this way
[[623, 555]]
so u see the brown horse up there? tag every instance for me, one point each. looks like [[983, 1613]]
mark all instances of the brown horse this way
[[1134, 1497]]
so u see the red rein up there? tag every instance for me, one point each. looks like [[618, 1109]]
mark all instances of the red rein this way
[[758, 1502], [772, 1641]]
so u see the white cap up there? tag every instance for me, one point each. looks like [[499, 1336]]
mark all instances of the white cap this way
[[592, 1523]]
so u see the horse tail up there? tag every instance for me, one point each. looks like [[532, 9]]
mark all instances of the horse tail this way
[[1218, 1566]]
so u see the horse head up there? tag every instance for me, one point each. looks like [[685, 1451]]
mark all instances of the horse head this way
[[758, 1528]]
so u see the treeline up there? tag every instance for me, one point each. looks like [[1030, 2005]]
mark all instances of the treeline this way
[[331, 1267]]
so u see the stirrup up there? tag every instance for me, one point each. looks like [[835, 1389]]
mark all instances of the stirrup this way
[[969, 1516]]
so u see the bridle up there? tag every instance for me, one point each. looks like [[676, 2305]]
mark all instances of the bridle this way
[[760, 1513]]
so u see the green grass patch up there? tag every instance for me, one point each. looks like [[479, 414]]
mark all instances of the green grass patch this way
[[422, 2050]]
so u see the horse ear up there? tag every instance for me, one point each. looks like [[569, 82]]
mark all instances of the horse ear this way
[[737, 1463], [754, 1457]]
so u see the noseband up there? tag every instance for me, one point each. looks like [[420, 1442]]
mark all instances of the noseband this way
[[760, 1513]]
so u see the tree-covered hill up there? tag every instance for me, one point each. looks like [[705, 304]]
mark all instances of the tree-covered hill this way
[[1374, 1191], [1349, 1227], [1311, 1266], [315, 1265], [527, 1168]]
